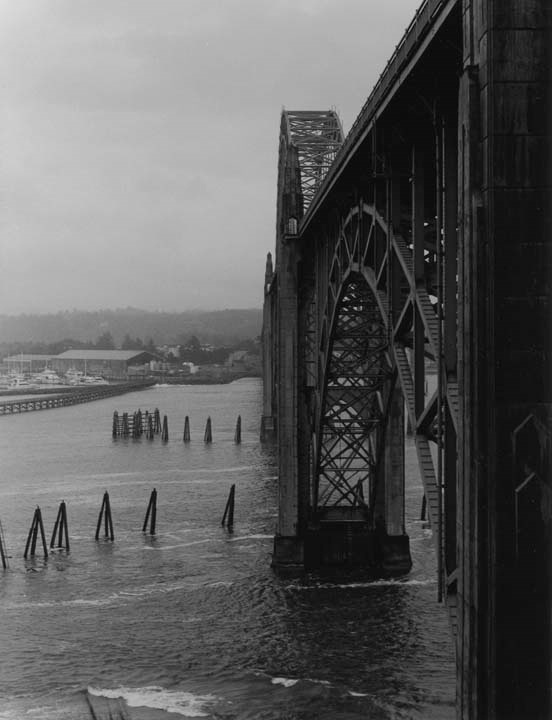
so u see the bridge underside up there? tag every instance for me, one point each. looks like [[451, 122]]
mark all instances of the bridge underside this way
[[422, 249]]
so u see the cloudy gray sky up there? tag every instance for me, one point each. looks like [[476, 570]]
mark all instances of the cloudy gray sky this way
[[138, 139]]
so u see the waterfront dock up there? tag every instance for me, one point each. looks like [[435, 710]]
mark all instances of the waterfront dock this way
[[70, 396]]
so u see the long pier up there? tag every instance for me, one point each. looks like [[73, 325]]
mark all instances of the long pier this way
[[71, 397]]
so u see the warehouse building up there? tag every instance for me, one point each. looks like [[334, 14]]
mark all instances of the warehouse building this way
[[109, 364]]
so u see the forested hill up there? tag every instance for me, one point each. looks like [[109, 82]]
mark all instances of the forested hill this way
[[220, 327]]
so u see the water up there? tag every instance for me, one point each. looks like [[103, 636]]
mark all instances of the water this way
[[194, 623]]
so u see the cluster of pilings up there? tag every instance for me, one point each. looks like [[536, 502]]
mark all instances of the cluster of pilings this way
[[60, 534], [138, 423], [135, 425]]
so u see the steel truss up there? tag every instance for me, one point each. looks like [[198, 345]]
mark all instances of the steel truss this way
[[317, 136], [386, 294], [352, 418]]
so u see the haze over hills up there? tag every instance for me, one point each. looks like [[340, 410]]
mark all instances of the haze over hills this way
[[219, 327]]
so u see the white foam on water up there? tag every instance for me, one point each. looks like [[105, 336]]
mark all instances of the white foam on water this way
[[159, 472], [251, 537], [286, 682], [123, 596], [326, 683], [357, 694], [181, 545], [352, 585], [178, 702], [290, 682]]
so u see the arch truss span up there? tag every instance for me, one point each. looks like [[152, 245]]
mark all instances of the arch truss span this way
[[358, 379], [355, 408]]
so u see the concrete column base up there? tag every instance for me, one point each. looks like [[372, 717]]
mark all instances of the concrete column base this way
[[343, 545], [268, 429], [340, 545], [396, 559], [288, 555]]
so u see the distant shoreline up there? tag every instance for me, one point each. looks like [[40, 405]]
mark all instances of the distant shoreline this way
[[198, 379], [150, 382]]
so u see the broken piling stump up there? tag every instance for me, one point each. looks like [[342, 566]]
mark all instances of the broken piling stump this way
[[105, 515], [61, 529], [165, 432], [3, 550], [150, 432], [237, 434], [186, 436], [36, 527], [208, 437], [228, 517], [151, 512]]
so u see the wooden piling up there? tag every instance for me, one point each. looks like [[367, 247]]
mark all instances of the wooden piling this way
[[165, 433], [36, 527], [125, 425], [115, 423], [3, 550], [105, 515], [149, 432], [424, 508], [156, 421], [208, 437], [237, 434], [228, 517], [186, 436], [152, 510], [61, 529], [34, 537]]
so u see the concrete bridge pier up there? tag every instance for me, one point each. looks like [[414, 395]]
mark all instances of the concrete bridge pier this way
[[289, 539], [268, 425], [395, 545]]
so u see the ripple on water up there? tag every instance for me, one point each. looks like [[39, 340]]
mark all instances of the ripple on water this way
[[194, 620]]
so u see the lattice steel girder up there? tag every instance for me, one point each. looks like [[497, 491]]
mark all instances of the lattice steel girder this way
[[357, 371], [317, 136]]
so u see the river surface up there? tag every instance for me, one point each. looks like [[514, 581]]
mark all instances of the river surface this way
[[193, 622]]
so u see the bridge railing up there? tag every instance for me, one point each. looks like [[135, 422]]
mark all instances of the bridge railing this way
[[418, 29]]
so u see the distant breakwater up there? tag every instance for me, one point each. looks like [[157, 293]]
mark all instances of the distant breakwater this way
[[198, 379]]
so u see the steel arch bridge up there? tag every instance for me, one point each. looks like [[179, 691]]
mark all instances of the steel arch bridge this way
[[415, 252]]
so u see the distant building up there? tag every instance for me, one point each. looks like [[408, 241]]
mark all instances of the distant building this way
[[243, 361], [188, 368], [116, 364]]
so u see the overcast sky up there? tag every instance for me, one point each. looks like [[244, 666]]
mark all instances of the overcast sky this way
[[138, 139]]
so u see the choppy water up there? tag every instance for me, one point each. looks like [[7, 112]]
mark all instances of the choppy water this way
[[194, 622]]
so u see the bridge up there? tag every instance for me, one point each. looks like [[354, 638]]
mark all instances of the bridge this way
[[420, 246]]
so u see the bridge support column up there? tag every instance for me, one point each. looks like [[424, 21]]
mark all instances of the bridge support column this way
[[288, 542], [395, 542], [505, 393], [268, 425]]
